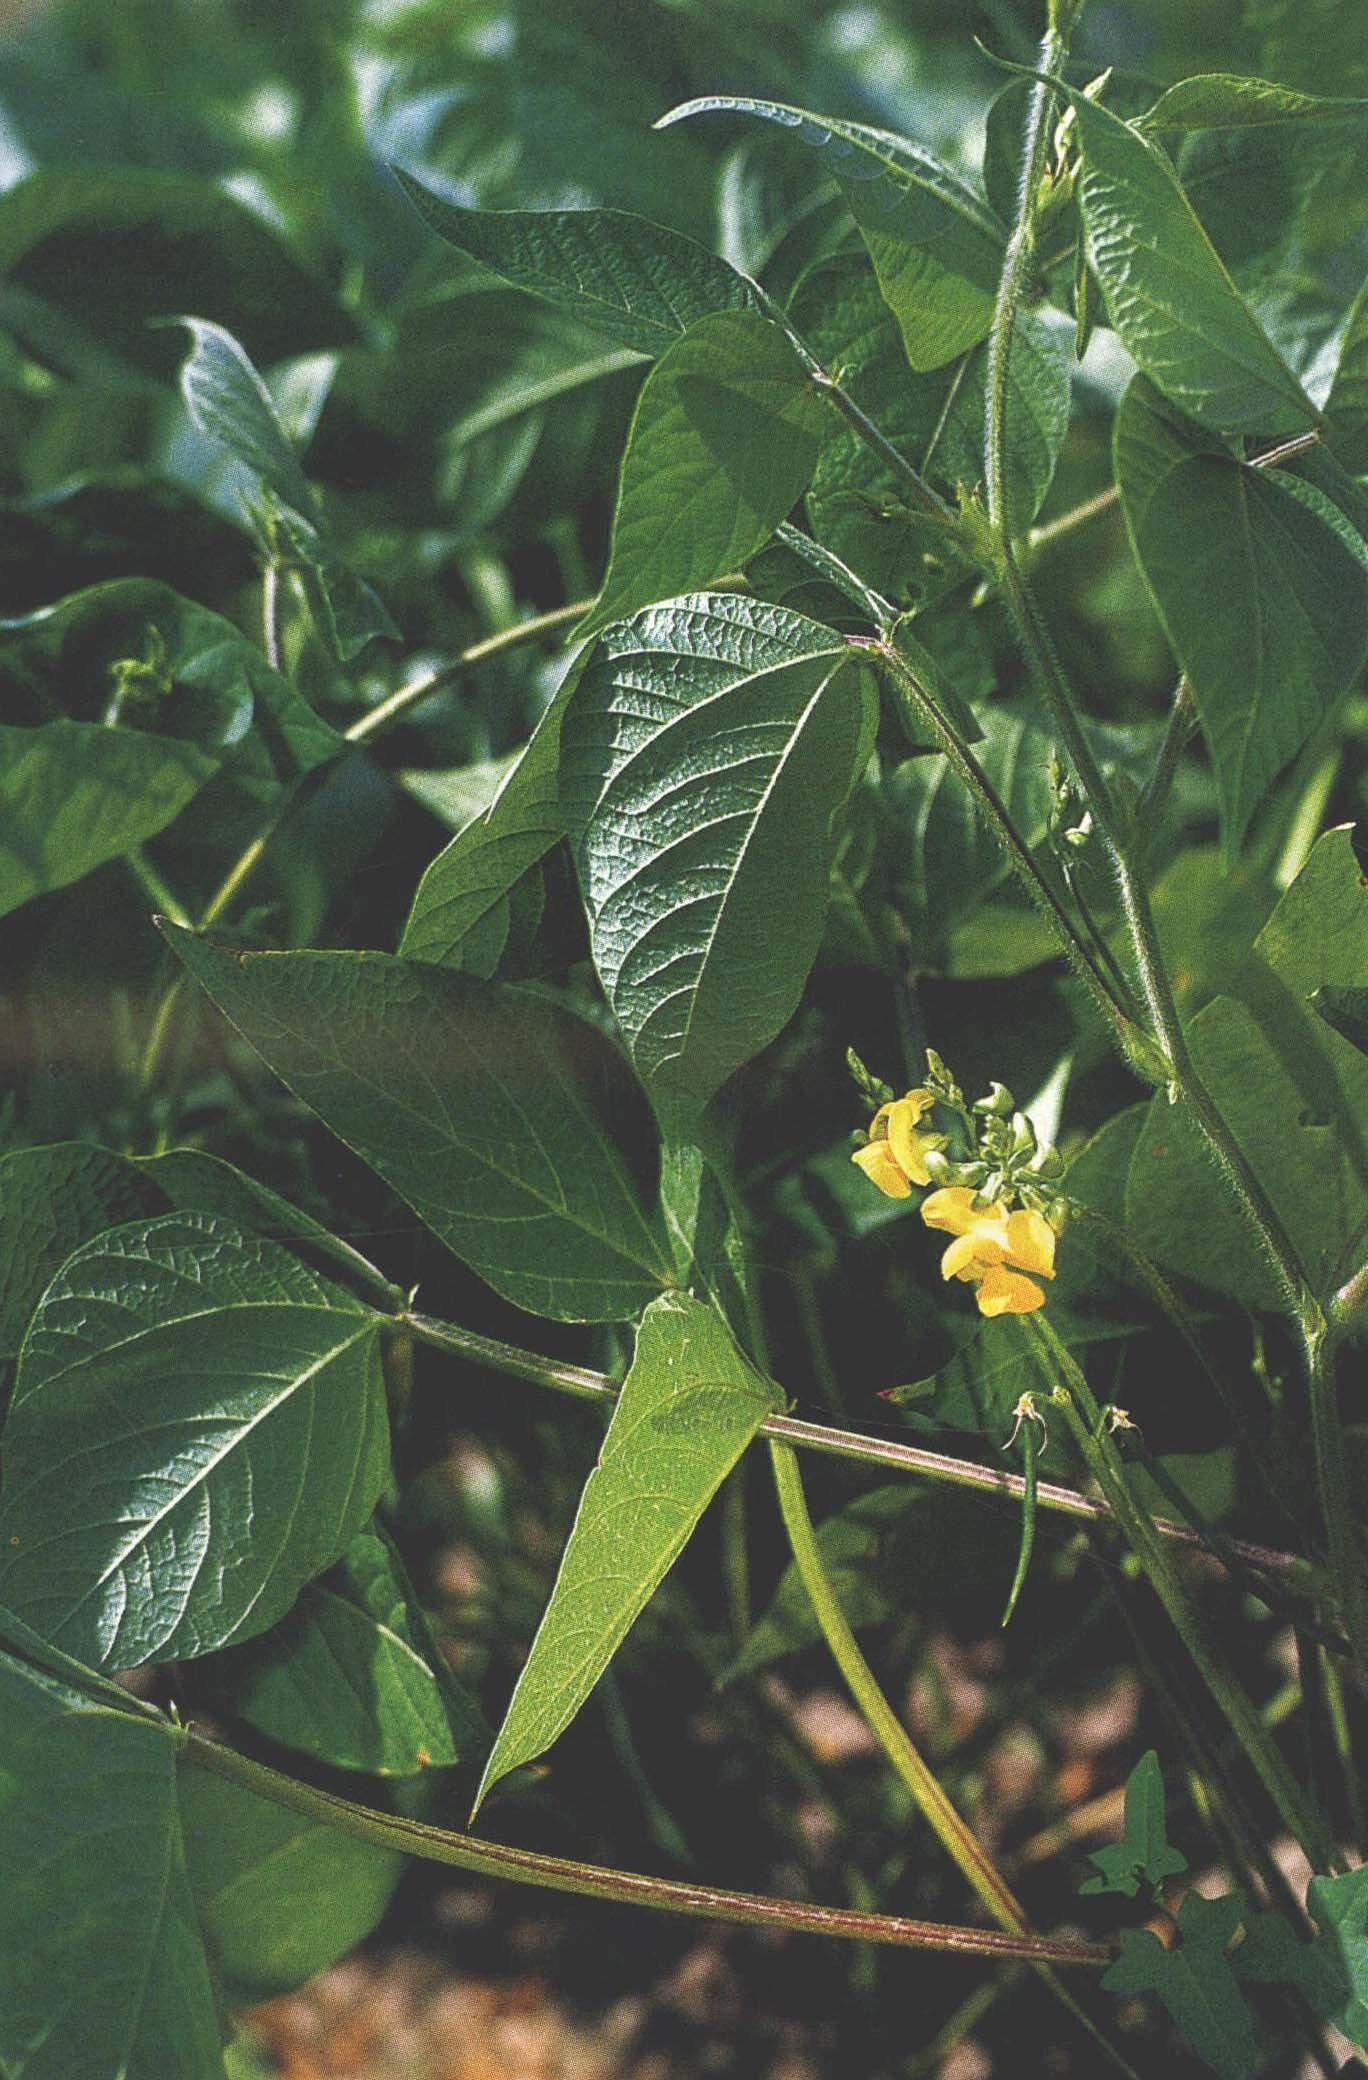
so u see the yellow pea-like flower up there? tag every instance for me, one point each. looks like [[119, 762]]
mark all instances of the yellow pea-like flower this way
[[893, 1157], [993, 1249]]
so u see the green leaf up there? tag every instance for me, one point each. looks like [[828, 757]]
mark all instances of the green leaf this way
[[53, 1199], [105, 1973], [1167, 291], [1195, 1981], [73, 795], [227, 400], [857, 506], [1268, 1058], [510, 1126], [280, 1896], [1228, 101], [1293, 628], [722, 444], [689, 1406], [706, 751], [936, 247], [1347, 1011], [1144, 1852], [198, 1428], [1346, 407], [460, 913], [638, 282], [349, 610], [976, 1390], [1039, 382], [348, 1675], [1331, 1972], [112, 247]]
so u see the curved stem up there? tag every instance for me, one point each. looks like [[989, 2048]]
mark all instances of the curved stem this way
[[951, 1830], [1071, 1392], [389, 711], [584, 1385], [593, 1881]]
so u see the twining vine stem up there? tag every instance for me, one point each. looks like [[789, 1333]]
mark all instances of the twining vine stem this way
[[594, 1881], [585, 1385]]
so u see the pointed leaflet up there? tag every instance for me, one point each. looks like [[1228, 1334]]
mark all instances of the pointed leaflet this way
[[706, 751], [1196, 1982], [459, 917], [688, 1408], [511, 1127], [1168, 292], [1331, 1972], [936, 247], [638, 282], [1226, 101], [1144, 1852], [198, 1428], [721, 448], [1294, 627], [104, 1967]]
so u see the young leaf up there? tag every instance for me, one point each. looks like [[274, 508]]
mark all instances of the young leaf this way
[[722, 445], [1144, 1854], [227, 400], [104, 1965], [460, 916], [73, 795], [689, 1406], [198, 1428], [1293, 630], [1168, 292], [1331, 1972], [936, 247], [510, 1126], [704, 756], [280, 1896], [639, 283], [348, 1675], [1195, 1981], [1227, 101]]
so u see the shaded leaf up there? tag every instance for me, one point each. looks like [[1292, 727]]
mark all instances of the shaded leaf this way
[[73, 795], [510, 1126], [171, 1480], [53, 1199], [112, 247], [1225, 100], [708, 746], [1293, 629], [1195, 1981], [349, 1674], [640, 283], [936, 247], [105, 1972], [688, 1408], [1346, 407], [869, 1553], [280, 1896], [1037, 416], [722, 445], [227, 400]]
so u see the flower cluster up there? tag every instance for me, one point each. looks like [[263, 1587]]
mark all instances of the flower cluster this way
[[996, 1200]]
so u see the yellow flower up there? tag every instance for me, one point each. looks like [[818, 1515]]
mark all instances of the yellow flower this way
[[893, 1158], [994, 1249]]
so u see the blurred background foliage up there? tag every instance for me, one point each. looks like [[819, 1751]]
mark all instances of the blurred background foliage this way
[[227, 159]]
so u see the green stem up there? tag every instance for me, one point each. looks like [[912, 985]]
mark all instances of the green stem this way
[[387, 712], [1331, 1449], [918, 708], [1077, 516], [1182, 720], [593, 1881], [1086, 1420], [888, 1452], [153, 887], [952, 1831], [270, 616]]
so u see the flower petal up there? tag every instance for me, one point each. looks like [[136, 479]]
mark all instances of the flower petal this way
[[904, 1140], [1031, 1242], [1006, 1292], [879, 1166], [951, 1208]]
